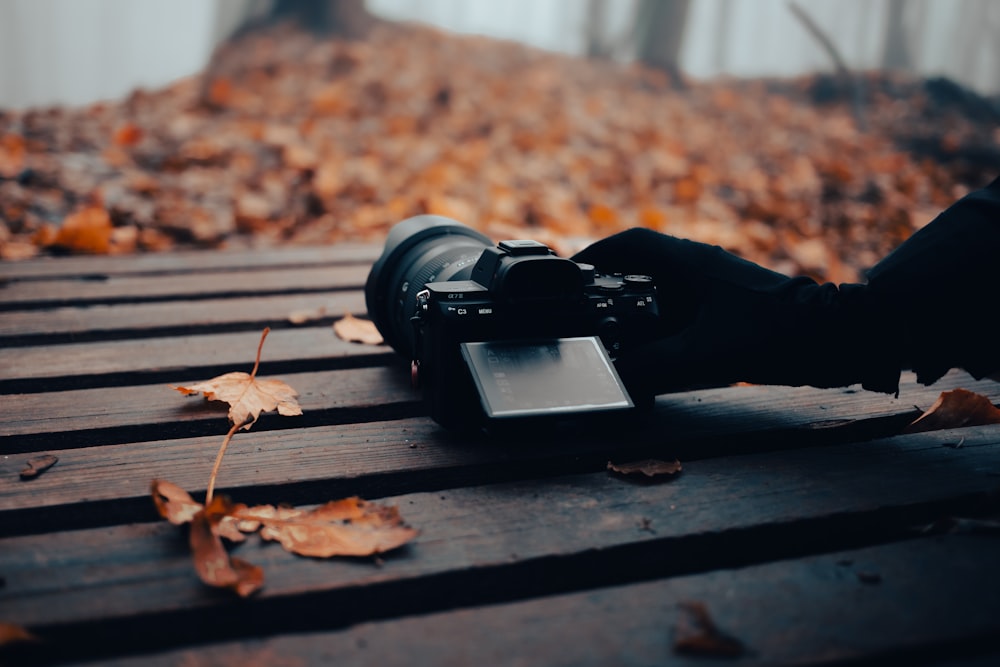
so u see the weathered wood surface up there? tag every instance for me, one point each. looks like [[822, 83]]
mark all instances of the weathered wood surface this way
[[796, 520]]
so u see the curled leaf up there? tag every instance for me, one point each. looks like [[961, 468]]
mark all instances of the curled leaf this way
[[647, 467], [212, 561], [178, 507], [356, 330], [955, 409], [174, 503], [36, 465], [348, 527]]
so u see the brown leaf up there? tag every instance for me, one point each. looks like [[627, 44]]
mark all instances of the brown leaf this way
[[348, 527], [697, 634], [174, 503], [955, 409], [178, 507], [247, 396], [212, 561], [356, 330], [36, 465], [647, 467], [11, 633]]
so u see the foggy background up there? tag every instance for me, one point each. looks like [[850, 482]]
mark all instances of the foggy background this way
[[74, 52]]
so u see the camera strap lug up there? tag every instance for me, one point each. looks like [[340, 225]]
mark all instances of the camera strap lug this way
[[423, 296]]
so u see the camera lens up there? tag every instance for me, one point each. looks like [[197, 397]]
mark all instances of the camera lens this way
[[418, 250]]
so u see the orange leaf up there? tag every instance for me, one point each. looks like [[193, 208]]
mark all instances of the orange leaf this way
[[88, 230], [247, 396], [356, 330], [348, 527], [212, 561], [955, 409], [128, 134]]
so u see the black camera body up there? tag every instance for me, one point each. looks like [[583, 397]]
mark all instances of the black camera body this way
[[500, 316]]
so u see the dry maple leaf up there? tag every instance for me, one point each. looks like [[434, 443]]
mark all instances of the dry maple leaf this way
[[356, 330], [248, 396], [955, 409], [647, 467], [348, 527]]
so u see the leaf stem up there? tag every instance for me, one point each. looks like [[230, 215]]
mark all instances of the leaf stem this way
[[218, 459], [260, 346]]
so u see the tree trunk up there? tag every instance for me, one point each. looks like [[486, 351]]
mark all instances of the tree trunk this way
[[660, 28], [596, 41], [344, 18], [896, 54]]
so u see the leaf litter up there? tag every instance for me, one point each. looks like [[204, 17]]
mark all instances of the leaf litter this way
[[346, 527]]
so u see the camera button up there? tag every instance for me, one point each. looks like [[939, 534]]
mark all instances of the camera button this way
[[611, 288]]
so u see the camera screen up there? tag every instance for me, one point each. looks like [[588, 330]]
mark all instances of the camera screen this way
[[533, 378]]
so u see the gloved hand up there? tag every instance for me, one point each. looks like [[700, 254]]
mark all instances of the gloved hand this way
[[927, 306]]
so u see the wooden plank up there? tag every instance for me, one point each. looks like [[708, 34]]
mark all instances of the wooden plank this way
[[63, 418], [63, 325], [49, 268], [936, 601], [202, 285], [489, 543], [719, 412], [414, 454], [179, 358]]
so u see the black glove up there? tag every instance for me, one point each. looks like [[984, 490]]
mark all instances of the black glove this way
[[927, 306]]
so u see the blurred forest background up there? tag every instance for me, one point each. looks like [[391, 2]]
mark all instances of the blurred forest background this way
[[810, 136]]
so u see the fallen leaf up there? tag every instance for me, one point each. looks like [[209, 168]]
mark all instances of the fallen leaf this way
[[128, 134], [248, 396], [647, 467], [697, 634], [174, 503], [211, 560], [303, 316], [356, 330], [178, 507], [955, 409], [36, 465], [11, 633], [348, 527], [87, 231]]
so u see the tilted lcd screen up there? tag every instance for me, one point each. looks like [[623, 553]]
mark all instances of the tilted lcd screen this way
[[540, 377]]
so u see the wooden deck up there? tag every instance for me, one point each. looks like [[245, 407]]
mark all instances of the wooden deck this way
[[796, 521]]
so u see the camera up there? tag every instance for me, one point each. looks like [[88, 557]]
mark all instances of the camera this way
[[505, 331]]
